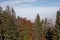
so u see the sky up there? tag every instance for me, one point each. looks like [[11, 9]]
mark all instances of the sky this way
[[30, 8]]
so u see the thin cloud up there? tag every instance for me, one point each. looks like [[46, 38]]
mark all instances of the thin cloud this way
[[15, 2], [11, 3], [43, 0], [58, 3], [25, 0], [25, 5]]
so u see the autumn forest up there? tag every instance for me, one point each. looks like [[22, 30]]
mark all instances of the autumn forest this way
[[18, 28]]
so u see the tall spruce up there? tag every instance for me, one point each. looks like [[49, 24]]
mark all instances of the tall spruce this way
[[13, 14], [46, 22], [58, 25], [49, 35], [1, 22], [37, 29], [23, 29], [26, 32], [1, 10], [8, 29], [20, 28]]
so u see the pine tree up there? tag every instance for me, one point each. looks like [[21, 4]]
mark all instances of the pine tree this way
[[1, 10], [8, 29], [37, 29], [46, 26], [58, 25], [23, 29], [1, 22], [46, 22], [13, 14], [20, 28], [26, 32], [49, 35], [8, 10]]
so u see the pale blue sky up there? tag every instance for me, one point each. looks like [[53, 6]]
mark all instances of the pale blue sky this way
[[35, 3], [29, 8]]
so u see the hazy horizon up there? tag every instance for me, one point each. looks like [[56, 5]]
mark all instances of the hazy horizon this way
[[29, 8]]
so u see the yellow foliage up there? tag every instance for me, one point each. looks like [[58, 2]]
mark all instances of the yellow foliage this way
[[30, 38]]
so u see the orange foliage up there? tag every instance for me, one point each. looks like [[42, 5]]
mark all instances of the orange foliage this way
[[20, 22]]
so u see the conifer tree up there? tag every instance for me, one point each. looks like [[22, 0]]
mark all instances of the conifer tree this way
[[20, 26], [8, 29], [58, 25], [26, 32], [46, 22], [1, 9], [23, 29], [49, 35], [1, 22], [13, 14], [37, 29]]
